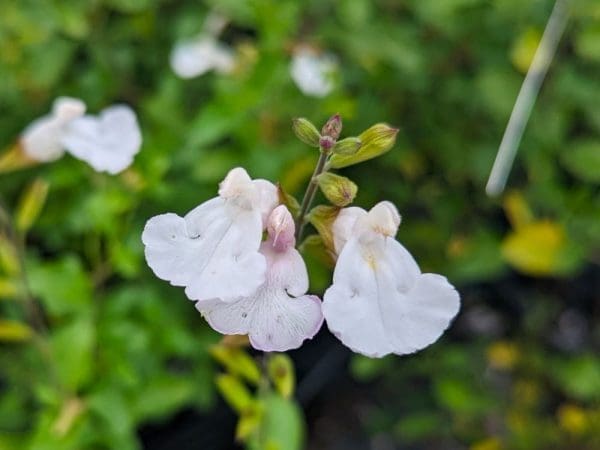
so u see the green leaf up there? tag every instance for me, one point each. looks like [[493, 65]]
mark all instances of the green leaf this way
[[282, 426], [62, 286], [582, 159], [281, 372], [73, 352], [377, 140]]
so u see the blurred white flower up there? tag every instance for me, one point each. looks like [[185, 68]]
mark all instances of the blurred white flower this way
[[278, 316], [107, 142], [42, 139], [312, 72], [194, 57], [214, 250], [380, 302]]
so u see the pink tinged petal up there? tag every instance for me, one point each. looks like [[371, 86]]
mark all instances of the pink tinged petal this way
[[281, 228], [383, 218], [278, 317], [380, 303], [268, 198], [213, 251], [344, 224], [107, 142]]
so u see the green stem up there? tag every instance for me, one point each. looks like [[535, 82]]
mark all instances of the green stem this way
[[309, 195]]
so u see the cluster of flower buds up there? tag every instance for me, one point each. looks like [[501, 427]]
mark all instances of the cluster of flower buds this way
[[107, 142], [235, 255]]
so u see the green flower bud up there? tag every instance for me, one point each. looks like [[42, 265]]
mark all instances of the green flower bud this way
[[375, 141], [339, 190], [306, 132], [348, 146]]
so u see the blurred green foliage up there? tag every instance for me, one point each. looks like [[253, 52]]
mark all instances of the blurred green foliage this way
[[122, 348]]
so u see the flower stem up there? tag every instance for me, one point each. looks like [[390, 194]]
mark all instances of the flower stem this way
[[309, 195]]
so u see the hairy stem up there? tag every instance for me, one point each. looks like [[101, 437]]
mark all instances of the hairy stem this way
[[309, 195]]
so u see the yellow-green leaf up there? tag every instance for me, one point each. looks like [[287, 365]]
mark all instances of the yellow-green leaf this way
[[237, 362], [235, 393], [14, 158], [289, 201], [524, 48], [322, 218], [9, 259], [31, 204], [8, 288], [536, 248], [375, 141], [281, 373], [13, 331], [250, 422], [516, 209]]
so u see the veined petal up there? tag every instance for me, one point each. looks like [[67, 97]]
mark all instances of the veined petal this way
[[108, 142], [380, 303], [278, 317], [214, 250]]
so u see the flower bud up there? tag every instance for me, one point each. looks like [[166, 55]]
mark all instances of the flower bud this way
[[375, 141], [322, 218], [281, 228], [384, 218], [339, 190], [306, 131], [348, 146], [333, 127]]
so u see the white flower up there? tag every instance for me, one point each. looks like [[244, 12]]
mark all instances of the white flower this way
[[313, 73], [107, 142], [194, 57], [214, 250], [380, 302], [278, 316], [41, 140]]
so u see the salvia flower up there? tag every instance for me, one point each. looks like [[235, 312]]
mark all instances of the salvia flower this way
[[196, 56], [214, 250], [107, 142], [278, 316], [312, 72], [380, 302], [42, 139]]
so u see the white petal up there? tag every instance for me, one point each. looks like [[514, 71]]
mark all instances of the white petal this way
[[380, 303], [272, 317], [213, 251], [268, 197], [108, 142], [41, 140], [344, 224], [312, 73], [194, 57]]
